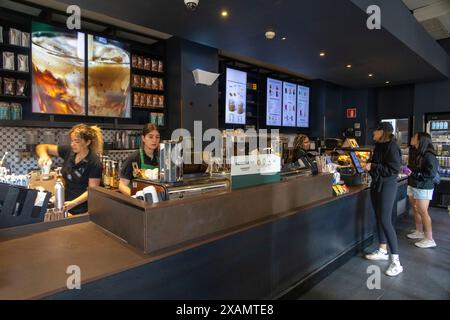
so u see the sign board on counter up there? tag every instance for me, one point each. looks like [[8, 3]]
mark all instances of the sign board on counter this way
[[254, 170]]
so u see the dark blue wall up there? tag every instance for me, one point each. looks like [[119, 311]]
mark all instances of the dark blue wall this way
[[428, 98], [359, 99], [331, 101], [188, 102], [395, 102]]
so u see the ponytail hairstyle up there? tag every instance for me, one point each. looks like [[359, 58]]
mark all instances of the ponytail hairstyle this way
[[149, 127], [92, 134]]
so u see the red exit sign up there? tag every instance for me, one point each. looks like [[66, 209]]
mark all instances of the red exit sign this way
[[351, 113]]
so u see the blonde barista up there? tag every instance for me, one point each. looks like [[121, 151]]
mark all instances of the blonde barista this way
[[145, 158]]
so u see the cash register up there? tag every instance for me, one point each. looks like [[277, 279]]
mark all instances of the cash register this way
[[352, 175]]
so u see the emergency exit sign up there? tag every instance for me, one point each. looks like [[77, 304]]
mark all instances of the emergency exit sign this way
[[351, 113]]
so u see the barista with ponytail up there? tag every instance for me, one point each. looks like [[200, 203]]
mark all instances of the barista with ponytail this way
[[82, 167]]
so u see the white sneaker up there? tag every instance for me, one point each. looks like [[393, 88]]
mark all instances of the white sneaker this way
[[377, 255], [425, 243], [416, 235], [394, 269]]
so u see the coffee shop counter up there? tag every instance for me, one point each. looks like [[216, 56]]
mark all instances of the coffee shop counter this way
[[253, 243]]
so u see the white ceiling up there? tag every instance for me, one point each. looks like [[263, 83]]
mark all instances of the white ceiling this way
[[434, 15]]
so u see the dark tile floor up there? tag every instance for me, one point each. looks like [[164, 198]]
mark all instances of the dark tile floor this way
[[426, 272]]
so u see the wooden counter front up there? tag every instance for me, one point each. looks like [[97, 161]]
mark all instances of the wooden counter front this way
[[154, 227], [258, 260]]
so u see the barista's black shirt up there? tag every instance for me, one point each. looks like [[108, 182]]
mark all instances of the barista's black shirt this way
[[127, 168], [76, 176]]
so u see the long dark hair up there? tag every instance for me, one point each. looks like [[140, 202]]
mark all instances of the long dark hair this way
[[149, 127], [425, 145]]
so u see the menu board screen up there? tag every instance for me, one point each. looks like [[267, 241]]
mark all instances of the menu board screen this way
[[273, 103], [289, 104], [236, 96], [58, 66], [302, 107], [109, 88]]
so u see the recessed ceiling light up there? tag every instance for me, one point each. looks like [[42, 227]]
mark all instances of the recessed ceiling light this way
[[387, 82], [270, 34], [322, 54], [224, 13], [284, 38], [349, 66], [370, 75]]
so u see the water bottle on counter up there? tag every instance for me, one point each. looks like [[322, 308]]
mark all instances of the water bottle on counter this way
[[59, 191]]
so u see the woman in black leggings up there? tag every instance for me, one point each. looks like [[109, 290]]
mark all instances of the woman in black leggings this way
[[384, 168]]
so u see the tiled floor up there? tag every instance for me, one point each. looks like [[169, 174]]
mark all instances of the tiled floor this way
[[426, 272]]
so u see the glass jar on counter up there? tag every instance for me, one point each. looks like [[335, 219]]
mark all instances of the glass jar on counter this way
[[4, 111]]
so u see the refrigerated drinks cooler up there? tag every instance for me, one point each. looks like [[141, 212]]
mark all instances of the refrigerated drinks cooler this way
[[438, 126]]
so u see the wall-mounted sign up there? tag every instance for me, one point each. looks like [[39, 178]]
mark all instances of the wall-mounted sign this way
[[357, 125], [351, 113]]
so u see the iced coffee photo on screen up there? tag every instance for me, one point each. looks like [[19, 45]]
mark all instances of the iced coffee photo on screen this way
[[58, 66], [109, 78]]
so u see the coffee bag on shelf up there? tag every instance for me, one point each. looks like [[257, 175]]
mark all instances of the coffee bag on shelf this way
[[22, 62], [8, 60], [9, 85]]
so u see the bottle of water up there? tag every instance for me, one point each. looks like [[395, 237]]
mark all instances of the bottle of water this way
[[59, 192]]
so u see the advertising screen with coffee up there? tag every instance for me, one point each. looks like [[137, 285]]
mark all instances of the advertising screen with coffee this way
[[236, 97], [58, 66], [109, 77]]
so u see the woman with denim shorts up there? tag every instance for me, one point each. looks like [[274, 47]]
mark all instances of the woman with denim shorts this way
[[424, 167]]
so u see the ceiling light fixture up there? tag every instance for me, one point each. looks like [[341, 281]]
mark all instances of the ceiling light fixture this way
[[322, 54], [370, 75], [349, 66], [224, 13], [284, 38], [270, 34], [387, 82]]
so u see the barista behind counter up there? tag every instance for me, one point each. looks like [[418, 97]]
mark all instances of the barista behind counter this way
[[302, 146], [147, 157], [82, 167]]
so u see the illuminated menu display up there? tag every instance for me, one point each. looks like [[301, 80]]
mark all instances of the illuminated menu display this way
[[302, 107], [289, 104], [58, 70], [274, 102], [236, 96]]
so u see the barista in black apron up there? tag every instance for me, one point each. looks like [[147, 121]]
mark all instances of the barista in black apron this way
[[82, 167], [147, 157]]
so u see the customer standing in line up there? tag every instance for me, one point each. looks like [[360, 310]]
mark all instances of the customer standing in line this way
[[384, 168], [421, 181]]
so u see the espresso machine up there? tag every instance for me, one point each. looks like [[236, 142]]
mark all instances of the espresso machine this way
[[171, 184]]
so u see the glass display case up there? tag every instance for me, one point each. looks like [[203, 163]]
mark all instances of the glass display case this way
[[438, 126]]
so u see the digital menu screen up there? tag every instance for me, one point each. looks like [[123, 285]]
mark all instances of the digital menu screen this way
[[109, 87], [274, 102], [58, 66], [236, 96], [302, 107], [289, 104]]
